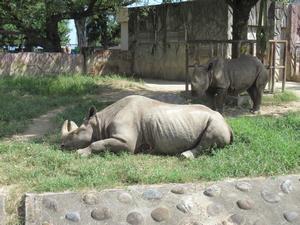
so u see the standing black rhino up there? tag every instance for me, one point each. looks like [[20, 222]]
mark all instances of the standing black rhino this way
[[136, 123], [223, 76]]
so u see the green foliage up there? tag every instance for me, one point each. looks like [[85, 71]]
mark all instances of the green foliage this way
[[64, 31], [39, 20]]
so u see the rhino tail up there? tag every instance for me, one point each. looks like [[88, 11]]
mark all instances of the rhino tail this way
[[231, 135]]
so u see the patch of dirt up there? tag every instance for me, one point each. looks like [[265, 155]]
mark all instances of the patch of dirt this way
[[40, 126], [266, 110]]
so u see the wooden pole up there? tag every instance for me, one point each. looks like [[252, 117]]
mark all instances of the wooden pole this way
[[273, 66], [270, 65], [284, 64], [186, 60], [239, 44]]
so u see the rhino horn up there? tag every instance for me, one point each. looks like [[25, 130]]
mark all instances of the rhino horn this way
[[67, 127], [64, 129], [72, 126]]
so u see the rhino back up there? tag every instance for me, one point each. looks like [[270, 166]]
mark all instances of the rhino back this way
[[122, 120], [172, 129], [242, 72]]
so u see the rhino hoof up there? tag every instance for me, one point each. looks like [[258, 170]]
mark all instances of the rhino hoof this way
[[255, 112], [187, 155], [84, 152]]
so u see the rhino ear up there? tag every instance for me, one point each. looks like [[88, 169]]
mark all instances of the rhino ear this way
[[92, 111]]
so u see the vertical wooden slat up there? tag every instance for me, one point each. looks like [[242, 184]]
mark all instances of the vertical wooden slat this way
[[186, 61], [295, 60], [270, 65], [284, 64], [239, 48], [273, 66], [251, 48]]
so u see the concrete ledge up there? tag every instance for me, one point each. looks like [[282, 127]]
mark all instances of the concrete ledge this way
[[2, 207], [274, 200]]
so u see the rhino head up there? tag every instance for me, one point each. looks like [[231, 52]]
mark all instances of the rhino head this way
[[74, 137], [201, 78]]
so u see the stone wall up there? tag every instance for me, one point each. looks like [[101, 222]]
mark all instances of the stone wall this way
[[40, 63], [109, 61], [156, 35]]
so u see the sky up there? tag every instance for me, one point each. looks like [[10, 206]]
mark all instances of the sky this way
[[72, 34]]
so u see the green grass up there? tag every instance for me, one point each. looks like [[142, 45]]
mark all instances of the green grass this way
[[279, 98], [262, 146], [24, 98], [63, 85]]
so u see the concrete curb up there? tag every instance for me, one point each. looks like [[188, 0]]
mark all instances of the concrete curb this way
[[258, 201]]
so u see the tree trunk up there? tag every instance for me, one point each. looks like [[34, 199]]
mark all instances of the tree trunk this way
[[53, 39], [262, 33], [80, 25], [241, 12], [104, 32], [239, 29]]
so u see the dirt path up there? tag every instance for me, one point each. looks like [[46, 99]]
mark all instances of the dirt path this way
[[266, 110], [161, 90], [40, 126]]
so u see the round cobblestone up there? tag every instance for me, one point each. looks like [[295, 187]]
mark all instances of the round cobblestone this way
[[178, 190], [90, 199], [160, 214], [135, 218], [212, 191], [286, 186], [152, 194], [291, 216], [125, 198], [50, 204], [270, 197], [243, 186], [237, 219], [73, 216], [245, 204], [185, 206], [101, 214]]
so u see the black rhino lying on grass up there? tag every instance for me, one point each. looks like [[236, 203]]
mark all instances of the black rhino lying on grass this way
[[139, 124]]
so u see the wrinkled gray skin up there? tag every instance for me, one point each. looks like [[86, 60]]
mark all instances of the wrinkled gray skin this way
[[139, 124], [222, 76]]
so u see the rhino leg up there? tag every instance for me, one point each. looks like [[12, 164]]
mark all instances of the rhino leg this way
[[202, 147], [85, 152], [217, 133], [220, 99], [256, 95], [210, 100], [189, 154], [110, 144]]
